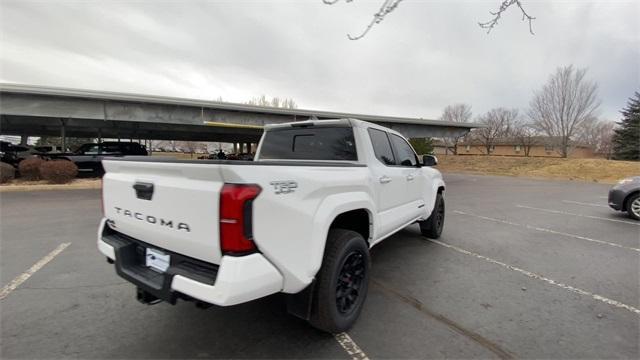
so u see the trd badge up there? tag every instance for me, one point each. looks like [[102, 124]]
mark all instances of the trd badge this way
[[284, 187]]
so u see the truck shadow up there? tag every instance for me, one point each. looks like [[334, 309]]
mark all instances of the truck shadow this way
[[258, 329]]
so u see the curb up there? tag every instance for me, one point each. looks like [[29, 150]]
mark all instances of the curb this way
[[48, 187]]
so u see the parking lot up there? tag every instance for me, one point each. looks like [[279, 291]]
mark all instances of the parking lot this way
[[524, 269]]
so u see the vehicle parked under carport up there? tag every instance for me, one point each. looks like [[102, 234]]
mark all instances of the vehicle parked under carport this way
[[88, 157]]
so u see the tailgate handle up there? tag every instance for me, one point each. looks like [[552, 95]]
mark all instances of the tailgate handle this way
[[143, 190]]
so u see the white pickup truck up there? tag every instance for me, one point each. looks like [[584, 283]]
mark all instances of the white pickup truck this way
[[299, 219]]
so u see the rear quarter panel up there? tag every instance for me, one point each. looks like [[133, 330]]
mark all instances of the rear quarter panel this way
[[290, 229]]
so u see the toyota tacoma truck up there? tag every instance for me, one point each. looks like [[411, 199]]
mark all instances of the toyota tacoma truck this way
[[299, 219]]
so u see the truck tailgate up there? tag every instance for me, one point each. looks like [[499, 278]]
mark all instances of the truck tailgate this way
[[174, 206]]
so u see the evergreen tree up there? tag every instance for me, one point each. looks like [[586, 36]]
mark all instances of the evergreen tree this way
[[422, 146], [626, 139]]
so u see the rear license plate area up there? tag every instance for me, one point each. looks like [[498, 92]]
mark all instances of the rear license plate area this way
[[157, 260]]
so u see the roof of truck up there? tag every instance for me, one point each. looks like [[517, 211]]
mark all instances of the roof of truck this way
[[347, 122]]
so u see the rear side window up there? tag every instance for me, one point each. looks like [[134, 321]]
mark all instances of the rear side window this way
[[312, 143], [404, 152], [381, 146]]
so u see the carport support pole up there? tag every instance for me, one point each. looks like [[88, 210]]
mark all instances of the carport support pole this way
[[63, 135]]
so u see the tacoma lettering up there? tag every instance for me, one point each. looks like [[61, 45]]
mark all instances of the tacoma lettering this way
[[153, 220]]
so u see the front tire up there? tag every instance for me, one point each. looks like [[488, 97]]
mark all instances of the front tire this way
[[432, 227], [633, 207], [342, 282]]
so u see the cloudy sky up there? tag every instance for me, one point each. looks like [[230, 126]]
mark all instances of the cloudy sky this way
[[425, 55]]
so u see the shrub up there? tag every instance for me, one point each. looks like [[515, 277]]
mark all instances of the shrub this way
[[7, 173], [30, 168], [58, 171]]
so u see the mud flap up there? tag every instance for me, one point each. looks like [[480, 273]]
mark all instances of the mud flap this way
[[300, 304]]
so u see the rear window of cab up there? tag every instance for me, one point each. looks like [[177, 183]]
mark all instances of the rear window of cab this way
[[310, 143]]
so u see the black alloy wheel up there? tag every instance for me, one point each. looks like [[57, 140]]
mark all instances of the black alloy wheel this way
[[350, 281]]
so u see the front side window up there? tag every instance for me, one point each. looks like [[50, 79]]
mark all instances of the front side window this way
[[382, 146], [404, 153], [312, 143]]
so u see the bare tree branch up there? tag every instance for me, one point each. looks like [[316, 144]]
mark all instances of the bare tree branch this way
[[597, 134], [497, 123], [456, 113], [564, 104], [525, 135], [276, 102], [489, 25], [389, 6]]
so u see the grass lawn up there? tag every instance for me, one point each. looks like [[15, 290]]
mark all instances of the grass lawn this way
[[22, 185], [595, 170]]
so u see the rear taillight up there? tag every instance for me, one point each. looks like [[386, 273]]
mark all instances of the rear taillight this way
[[236, 228]]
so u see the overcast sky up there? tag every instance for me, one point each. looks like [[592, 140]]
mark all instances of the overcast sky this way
[[424, 56]]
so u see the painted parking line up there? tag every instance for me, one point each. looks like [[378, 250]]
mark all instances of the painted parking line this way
[[545, 279], [579, 215], [583, 203], [350, 346], [7, 289], [601, 242]]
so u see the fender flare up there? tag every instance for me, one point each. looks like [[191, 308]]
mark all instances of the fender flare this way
[[329, 209], [436, 183]]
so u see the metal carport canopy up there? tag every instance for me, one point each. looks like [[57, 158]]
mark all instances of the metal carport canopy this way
[[44, 111]]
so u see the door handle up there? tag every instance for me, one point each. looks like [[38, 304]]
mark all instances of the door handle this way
[[410, 177], [384, 179]]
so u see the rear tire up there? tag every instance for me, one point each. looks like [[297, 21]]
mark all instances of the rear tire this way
[[432, 227], [342, 282], [633, 207]]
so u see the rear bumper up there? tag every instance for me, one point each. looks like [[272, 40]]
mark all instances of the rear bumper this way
[[236, 280]]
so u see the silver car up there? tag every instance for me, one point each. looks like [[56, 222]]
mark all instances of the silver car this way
[[625, 196]]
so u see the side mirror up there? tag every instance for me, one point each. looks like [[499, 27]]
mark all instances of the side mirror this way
[[429, 160]]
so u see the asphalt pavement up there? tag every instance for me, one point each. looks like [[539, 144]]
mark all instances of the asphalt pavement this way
[[524, 269]]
